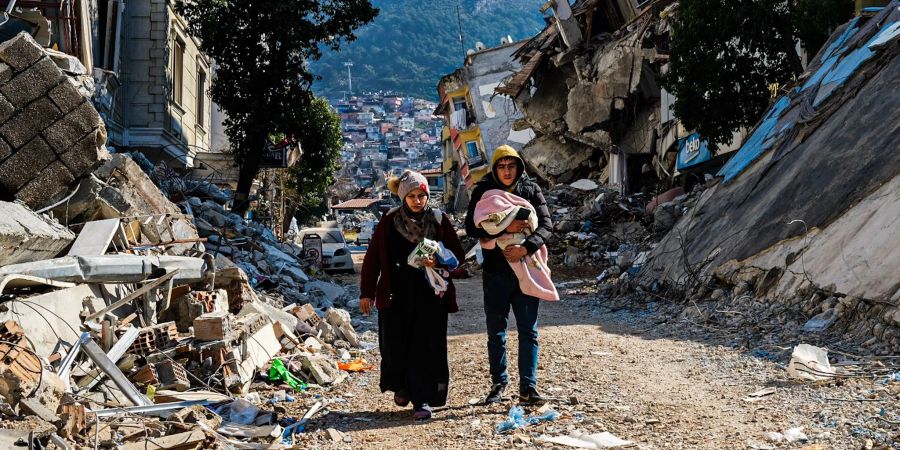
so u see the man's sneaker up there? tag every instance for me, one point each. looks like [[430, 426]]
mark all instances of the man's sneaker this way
[[496, 393], [422, 412], [530, 396]]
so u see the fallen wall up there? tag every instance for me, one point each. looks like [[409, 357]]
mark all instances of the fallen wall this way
[[50, 135]]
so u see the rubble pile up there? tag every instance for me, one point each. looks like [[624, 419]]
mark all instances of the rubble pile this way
[[129, 320], [789, 234], [599, 227]]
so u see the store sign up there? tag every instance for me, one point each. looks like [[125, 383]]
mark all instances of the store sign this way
[[312, 250], [692, 151], [280, 156]]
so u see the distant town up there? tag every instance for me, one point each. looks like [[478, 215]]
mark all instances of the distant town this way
[[386, 134]]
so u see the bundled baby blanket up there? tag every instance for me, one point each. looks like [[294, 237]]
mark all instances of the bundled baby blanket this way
[[437, 276], [497, 210]]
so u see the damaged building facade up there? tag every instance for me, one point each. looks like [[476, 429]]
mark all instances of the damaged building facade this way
[[476, 119], [588, 87]]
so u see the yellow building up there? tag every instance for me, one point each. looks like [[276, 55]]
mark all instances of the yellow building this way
[[465, 158]]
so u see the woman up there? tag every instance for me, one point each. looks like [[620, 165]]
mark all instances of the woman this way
[[412, 319]]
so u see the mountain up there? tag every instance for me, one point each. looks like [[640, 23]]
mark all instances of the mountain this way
[[412, 43]]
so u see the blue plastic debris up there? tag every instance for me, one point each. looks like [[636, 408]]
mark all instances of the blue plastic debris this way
[[756, 144], [516, 419]]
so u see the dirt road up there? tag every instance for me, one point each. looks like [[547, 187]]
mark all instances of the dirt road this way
[[628, 373]]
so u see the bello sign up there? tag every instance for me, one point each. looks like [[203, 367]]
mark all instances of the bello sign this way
[[691, 151]]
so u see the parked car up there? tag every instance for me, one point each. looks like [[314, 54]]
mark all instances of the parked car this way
[[335, 251], [365, 232]]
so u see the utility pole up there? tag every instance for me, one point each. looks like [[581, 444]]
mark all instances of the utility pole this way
[[349, 79], [462, 44]]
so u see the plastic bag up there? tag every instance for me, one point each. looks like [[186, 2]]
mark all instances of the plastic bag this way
[[516, 419], [357, 365], [243, 412], [278, 372]]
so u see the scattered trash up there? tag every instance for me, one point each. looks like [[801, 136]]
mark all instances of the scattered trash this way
[[357, 365], [516, 418], [795, 435], [278, 372], [809, 362], [760, 394], [580, 439]]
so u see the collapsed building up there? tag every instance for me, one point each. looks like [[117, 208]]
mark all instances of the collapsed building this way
[[805, 216], [129, 295]]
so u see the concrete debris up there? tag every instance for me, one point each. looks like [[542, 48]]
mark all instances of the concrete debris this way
[[26, 236], [114, 289]]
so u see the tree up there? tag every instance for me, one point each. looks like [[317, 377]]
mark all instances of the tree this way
[[815, 20], [261, 51], [724, 54], [310, 178]]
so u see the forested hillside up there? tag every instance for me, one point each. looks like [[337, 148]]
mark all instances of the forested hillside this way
[[412, 43]]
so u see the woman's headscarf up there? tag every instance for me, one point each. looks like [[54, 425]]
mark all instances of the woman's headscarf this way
[[414, 226]]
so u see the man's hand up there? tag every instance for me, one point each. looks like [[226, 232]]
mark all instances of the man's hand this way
[[365, 305], [514, 253], [517, 226]]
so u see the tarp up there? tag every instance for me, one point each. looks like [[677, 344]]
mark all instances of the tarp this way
[[756, 144]]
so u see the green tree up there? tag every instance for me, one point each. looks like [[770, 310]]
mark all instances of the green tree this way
[[724, 54], [308, 181], [261, 51], [815, 20]]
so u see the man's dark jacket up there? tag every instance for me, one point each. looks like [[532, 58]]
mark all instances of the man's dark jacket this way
[[494, 261]]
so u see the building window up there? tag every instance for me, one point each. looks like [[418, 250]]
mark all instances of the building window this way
[[459, 103], [472, 154], [177, 71], [201, 96]]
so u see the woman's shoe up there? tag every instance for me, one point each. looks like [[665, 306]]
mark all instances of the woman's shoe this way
[[422, 412], [400, 399]]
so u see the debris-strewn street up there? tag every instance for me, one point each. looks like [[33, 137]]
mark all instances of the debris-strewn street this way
[[634, 371]]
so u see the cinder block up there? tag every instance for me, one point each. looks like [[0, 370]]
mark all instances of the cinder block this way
[[72, 128], [25, 164], [52, 181], [6, 109], [4, 150], [66, 96], [212, 326], [20, 51], [34, 82], [6, 72], [30, 121], [86, 154]]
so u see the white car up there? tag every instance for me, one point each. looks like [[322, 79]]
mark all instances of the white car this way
[[335, 252]]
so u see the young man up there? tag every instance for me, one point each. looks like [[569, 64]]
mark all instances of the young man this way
[[501, 287]]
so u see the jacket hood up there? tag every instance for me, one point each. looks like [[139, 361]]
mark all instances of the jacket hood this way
[[505, 151]]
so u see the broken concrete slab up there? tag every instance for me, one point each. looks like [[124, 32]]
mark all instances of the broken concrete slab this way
[[95, 238], [26, 236]]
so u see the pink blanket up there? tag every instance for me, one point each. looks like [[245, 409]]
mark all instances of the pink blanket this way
[[494, 212]]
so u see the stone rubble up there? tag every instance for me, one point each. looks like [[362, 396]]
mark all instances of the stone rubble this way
[[184, 306]]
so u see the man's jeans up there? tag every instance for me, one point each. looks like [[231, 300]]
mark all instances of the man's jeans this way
[[501, 291]]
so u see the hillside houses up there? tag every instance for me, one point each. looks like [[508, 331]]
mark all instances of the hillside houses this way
[[385, 134]]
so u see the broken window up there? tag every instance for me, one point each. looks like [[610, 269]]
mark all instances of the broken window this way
[[201, 96], [177, 71]]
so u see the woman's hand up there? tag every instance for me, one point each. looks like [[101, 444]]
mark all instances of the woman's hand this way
[[366, 305], [428, 262]]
